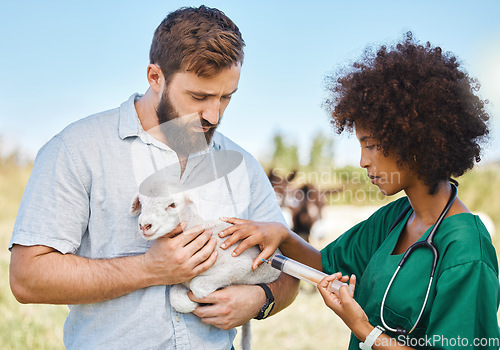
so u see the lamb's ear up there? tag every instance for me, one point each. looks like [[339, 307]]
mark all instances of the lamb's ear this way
[[189, 204], [188, 200], [136, 206]]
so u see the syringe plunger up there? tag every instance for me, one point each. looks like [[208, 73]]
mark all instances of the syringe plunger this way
[[303, 272]]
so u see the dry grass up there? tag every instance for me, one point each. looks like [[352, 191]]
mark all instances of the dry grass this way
[[306, 324]]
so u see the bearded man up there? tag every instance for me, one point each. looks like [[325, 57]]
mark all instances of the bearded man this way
[[74, 242]]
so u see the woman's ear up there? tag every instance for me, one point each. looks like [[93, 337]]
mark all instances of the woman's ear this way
[[155, 77]]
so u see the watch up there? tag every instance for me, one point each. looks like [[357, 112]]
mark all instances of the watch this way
[[268, 305], [371, 338]]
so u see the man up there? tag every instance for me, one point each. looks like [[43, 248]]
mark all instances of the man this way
[[74, 241]]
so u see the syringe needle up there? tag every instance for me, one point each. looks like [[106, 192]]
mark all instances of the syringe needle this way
[[265, 260]]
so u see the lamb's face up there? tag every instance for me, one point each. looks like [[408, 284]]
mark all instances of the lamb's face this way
[[159, 215]]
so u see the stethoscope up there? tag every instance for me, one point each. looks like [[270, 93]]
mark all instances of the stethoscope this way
[[427, 243]]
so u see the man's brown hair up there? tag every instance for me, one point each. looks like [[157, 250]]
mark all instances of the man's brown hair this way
[[202, 40]]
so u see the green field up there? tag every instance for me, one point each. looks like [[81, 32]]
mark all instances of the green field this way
[[306, 324]]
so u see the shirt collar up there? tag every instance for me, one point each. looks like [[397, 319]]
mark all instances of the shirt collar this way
[[130, 125]]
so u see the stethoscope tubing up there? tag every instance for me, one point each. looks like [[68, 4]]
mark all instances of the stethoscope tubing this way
[[427, 243]]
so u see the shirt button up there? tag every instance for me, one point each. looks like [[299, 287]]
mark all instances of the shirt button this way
[[177, 318]]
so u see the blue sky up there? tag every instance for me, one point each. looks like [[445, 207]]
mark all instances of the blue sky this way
[[61, 61]]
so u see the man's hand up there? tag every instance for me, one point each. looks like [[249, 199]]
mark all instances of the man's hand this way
[[180, 256], [230, 307]]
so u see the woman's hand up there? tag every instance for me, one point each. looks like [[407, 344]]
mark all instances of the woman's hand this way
[[267, 235], [344, 304]]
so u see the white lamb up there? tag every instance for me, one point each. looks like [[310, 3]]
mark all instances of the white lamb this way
[[160, 215]]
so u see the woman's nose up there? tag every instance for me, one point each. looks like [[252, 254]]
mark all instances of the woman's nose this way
[[363, 160]]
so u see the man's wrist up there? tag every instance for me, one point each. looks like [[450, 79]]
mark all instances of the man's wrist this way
[[285, 289], [261, 298], [149, 278], [269, 302]]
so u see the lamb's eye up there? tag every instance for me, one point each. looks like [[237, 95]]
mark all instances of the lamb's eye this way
[[172, 205]]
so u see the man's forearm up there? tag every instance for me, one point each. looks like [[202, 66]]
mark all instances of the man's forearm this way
[[42, 275], [284, 289]]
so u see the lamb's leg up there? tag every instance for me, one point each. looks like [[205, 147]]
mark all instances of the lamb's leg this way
[[179, 299], [202, 285], [246, 336]]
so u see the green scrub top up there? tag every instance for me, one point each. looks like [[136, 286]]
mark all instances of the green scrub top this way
[[461, 311]]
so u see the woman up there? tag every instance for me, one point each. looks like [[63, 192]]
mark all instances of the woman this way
[[419, 123]]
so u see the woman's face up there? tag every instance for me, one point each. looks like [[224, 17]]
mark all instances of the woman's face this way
[[383, 171]]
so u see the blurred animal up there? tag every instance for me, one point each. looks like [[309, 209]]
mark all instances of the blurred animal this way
[[301, 206]]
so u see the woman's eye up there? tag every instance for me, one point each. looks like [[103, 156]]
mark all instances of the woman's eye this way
[[367, 145], [371, 144]]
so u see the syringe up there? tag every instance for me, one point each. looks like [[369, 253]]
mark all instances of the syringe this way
[[303, 272]]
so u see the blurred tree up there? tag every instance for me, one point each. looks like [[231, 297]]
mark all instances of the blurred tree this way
[[321, 153], [285, 156]]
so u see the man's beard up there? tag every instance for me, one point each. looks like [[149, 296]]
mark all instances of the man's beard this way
[[178, 130]]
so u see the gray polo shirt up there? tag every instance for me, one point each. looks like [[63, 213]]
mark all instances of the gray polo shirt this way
[[77, 201]]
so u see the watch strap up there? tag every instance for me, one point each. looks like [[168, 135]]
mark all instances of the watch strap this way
[[371, 338], [268, 305]]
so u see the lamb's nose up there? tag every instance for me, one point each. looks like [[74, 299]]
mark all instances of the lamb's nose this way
[[145, 228]]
